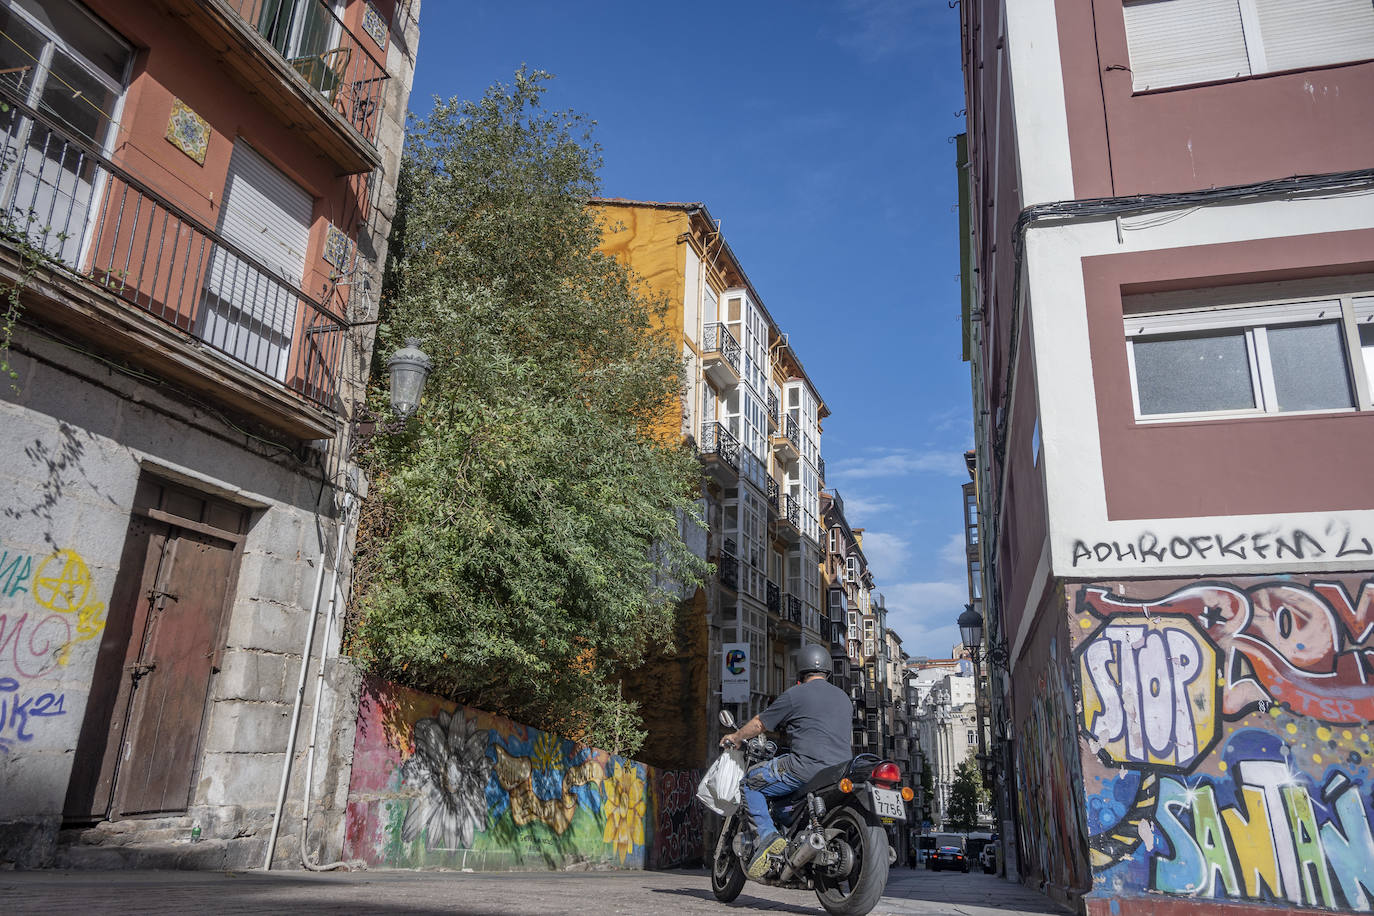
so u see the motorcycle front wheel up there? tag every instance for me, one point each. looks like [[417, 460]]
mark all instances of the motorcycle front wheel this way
[[727, 874], [857, 890]]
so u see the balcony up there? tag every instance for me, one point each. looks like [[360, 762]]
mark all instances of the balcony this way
[[305, 66], [144, 281], [720, 356], [870, 699], [772, 411], [727, 569], [774, 598], [773, 490], [788, 526], [786, 447], [820, 469], [837, 641], [720, 453], [792, 609]]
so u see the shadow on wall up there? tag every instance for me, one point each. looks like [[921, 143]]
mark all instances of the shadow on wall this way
[[438, 785]]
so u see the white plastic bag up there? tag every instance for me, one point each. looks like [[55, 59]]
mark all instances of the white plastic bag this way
[[719, 789]]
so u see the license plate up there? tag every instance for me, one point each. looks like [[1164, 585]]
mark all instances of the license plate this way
[[887, 803]]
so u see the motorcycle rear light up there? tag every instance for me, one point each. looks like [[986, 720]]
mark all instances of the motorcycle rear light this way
[[887, 773]]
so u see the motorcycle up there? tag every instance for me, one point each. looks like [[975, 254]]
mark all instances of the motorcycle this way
[[834, 827]]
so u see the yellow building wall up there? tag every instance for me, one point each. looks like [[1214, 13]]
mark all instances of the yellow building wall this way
[[646, 240]]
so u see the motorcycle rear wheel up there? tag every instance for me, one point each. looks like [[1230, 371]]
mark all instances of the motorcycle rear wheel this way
[[727, 874], [857, 891]]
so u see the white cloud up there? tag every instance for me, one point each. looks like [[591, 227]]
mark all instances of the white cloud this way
[[859, 508], [925, 615], [900, 463], [955, 552], [886, 553]]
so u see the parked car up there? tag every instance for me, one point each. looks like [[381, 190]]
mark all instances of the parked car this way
[[988, 858], [948, 857]]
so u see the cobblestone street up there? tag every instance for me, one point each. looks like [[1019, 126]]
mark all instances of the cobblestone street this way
[[628, 892]]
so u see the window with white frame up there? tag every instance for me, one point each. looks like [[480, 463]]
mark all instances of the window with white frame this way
[[1180, 42], [1253, 351]]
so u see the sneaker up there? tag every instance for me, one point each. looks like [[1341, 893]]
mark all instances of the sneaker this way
[[758, 865]]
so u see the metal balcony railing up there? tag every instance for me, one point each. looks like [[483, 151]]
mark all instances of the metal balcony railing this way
[[719, 441], [790, 510], [64, 199], [820, 468], [728, 570], [328, 57], [774, 597], [716, 338], [789, 429], [773, 490], [793, 609], [772, 408]]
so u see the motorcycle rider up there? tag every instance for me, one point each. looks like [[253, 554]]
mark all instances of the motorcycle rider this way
[[815, 715]]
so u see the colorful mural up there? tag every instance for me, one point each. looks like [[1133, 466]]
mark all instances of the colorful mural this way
[[1053, 837], [435, 784], [1227, 739]]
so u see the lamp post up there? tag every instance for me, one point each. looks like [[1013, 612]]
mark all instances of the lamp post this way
[[971, 631]]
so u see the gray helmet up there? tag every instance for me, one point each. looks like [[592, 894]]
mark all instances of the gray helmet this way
[[812, 660]]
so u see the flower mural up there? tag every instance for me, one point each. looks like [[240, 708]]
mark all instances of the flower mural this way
[[624, 810], [450, 769]]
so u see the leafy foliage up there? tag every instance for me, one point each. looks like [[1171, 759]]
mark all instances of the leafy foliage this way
[[966, 795], [523, 540]]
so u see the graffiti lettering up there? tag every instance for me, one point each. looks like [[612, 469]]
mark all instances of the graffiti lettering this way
[[1146, 680], [16, 710], [1149, 547], [1283, 643], [1269, 844], [15, 570], [34, 647]]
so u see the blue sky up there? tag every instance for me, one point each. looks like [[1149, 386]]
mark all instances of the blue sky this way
[[820, 135]]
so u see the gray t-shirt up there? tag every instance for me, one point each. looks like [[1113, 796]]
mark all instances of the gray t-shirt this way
[[816, 718]]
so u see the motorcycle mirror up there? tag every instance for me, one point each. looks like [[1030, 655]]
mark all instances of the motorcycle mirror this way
[[727, 719]]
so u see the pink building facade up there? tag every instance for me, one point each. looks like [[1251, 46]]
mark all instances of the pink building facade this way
[[195, 200], [1169, 296]]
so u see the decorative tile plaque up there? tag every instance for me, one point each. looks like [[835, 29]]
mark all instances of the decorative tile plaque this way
[[338, 248], [374, 25], [188, 131]]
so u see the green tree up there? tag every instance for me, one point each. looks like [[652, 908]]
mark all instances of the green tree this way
[[523, 541], [966, 796]]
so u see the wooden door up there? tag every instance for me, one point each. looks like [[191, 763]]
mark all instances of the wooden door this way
[[140, 741], [171, 674]]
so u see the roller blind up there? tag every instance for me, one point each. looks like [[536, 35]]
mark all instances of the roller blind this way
[[1312, 33], [248, 314], [1174, 42]]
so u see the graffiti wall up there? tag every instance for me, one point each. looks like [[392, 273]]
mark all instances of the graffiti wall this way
[[445, 786], [1227, 730], [1053, 838], [49, 606]]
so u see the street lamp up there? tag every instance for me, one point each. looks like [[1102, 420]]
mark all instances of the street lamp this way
[[971, 630], [409, 368]]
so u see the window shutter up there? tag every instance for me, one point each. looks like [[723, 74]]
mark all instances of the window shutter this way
[[1314, 33], [1176, 42], [246, 313]]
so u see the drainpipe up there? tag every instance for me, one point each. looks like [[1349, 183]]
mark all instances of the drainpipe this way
[[349, 505], [300, 686]]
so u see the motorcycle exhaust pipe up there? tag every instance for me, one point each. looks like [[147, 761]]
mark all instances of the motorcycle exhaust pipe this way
[[804, 853]]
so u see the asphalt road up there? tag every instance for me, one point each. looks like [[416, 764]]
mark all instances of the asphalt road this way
[[650, 893]]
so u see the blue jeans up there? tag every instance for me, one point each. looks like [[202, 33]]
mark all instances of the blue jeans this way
[[770, 779]]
